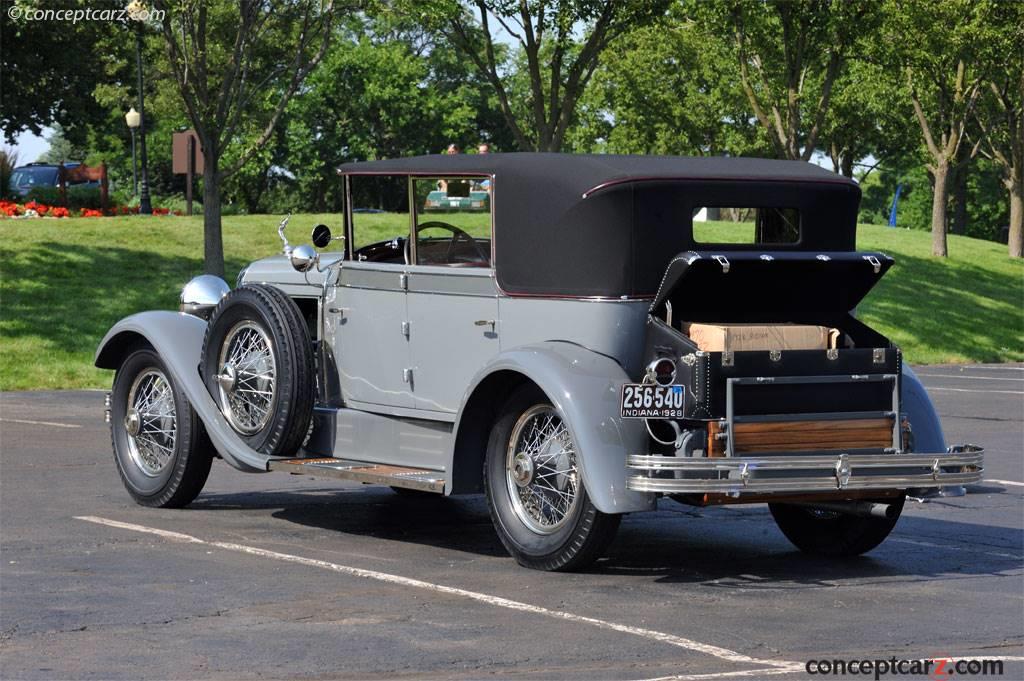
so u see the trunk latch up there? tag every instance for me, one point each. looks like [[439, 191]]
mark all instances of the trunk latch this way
[[874, 263]]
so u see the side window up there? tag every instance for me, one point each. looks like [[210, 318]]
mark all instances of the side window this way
[[747, 225], [453, 221], [380, 217]]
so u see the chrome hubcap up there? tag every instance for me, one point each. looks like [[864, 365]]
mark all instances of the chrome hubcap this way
[[227, 377], [541, 472], [151, 422], [522, 469], [132, 422], [247, 380]]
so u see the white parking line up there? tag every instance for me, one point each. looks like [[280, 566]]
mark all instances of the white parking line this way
[[950, 547], [1007, 482], [775, 666], [41, 423], [972, 378], [965, 390], [972, 367], [756, 673]]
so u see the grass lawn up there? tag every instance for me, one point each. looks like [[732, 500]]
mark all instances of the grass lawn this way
[[63, 283]]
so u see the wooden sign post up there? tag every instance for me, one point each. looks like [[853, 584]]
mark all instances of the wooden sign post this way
[[186, 159]]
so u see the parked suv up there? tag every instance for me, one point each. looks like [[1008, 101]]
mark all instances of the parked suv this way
[[27, 177], [575, 351]]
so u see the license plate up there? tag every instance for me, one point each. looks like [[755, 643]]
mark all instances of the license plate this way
[[650, 401]]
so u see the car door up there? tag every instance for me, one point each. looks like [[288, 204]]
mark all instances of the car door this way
[[452, 295], [371, 347]]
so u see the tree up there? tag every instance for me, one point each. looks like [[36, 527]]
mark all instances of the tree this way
[[561, 42], [1000, 115], [869, 116], [790, 54], [945, 66], [667, 88], [42, 78], [237, 66]]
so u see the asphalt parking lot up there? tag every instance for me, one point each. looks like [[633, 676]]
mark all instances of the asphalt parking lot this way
[[275, 576]]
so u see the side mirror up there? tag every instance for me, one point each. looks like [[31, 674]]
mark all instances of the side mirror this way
[[321, 236], [304, 258]]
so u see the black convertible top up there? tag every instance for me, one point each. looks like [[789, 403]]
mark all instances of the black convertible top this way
[[607, 225]]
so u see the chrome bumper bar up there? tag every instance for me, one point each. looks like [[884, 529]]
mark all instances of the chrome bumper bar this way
[[814, 472]]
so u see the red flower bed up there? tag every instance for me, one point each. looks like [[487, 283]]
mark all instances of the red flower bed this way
[[12, 209]]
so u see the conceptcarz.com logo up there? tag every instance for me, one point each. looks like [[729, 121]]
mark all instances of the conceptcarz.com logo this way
[[937, 668]]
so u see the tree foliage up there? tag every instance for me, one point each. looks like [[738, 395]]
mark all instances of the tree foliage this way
[[560, 42]]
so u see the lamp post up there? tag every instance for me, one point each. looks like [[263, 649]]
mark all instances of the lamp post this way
[[132, 118], [145, 207]]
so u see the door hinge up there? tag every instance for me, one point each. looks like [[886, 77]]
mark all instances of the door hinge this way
[[405, 329], [407, 375], [403, 281]]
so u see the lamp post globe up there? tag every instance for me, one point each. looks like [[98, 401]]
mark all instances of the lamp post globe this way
[[133, 119]]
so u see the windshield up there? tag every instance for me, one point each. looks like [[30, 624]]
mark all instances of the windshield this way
[[34, 177]]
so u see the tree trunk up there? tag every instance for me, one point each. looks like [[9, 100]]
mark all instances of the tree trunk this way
[[940, 195], [213, 243], [959, 190], [1016, 237], [847, 166]]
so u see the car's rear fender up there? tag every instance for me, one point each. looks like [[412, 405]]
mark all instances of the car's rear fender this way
[[925, 427], [178, 339], [584, 386]]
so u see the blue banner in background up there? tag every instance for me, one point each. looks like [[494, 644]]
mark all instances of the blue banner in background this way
[[895, 205]]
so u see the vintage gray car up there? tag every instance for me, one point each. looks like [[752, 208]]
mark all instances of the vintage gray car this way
[[589, 343]]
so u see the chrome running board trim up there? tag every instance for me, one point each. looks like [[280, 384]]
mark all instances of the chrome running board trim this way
[[366, 473]]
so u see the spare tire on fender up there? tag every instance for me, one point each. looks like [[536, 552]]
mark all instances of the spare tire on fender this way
[[258, 365]]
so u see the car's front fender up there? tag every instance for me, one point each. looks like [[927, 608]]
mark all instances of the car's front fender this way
[[178, 339], [584, 386]]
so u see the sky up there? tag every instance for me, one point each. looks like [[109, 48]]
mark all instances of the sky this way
[[30, 147]]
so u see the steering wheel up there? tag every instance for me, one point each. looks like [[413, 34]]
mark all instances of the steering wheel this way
[[457, 235]]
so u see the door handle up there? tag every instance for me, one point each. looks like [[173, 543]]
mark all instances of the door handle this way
[[486, 322]]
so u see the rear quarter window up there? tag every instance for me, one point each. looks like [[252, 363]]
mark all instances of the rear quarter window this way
[[745, 225]]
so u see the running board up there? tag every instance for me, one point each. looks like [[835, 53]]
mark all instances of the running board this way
[[366, 473]]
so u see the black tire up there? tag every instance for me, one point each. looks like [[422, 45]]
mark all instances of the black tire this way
[[581, 536], [275, 318], [179, 479], [827, 533]]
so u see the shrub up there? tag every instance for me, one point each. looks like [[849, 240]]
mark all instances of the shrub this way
[[8, 162], [78, 197], [48, 195], [84, 197]]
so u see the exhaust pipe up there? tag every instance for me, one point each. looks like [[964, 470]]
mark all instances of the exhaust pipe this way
[[864, 509]]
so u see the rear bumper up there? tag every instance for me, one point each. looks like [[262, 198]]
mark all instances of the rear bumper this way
[[818, 472]]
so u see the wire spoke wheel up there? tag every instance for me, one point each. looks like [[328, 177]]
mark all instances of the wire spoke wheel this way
[[247, 379], [541, 471], [151, 422]]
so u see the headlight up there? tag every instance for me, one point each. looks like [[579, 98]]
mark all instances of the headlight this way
[[202, 294], [241, 276]]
